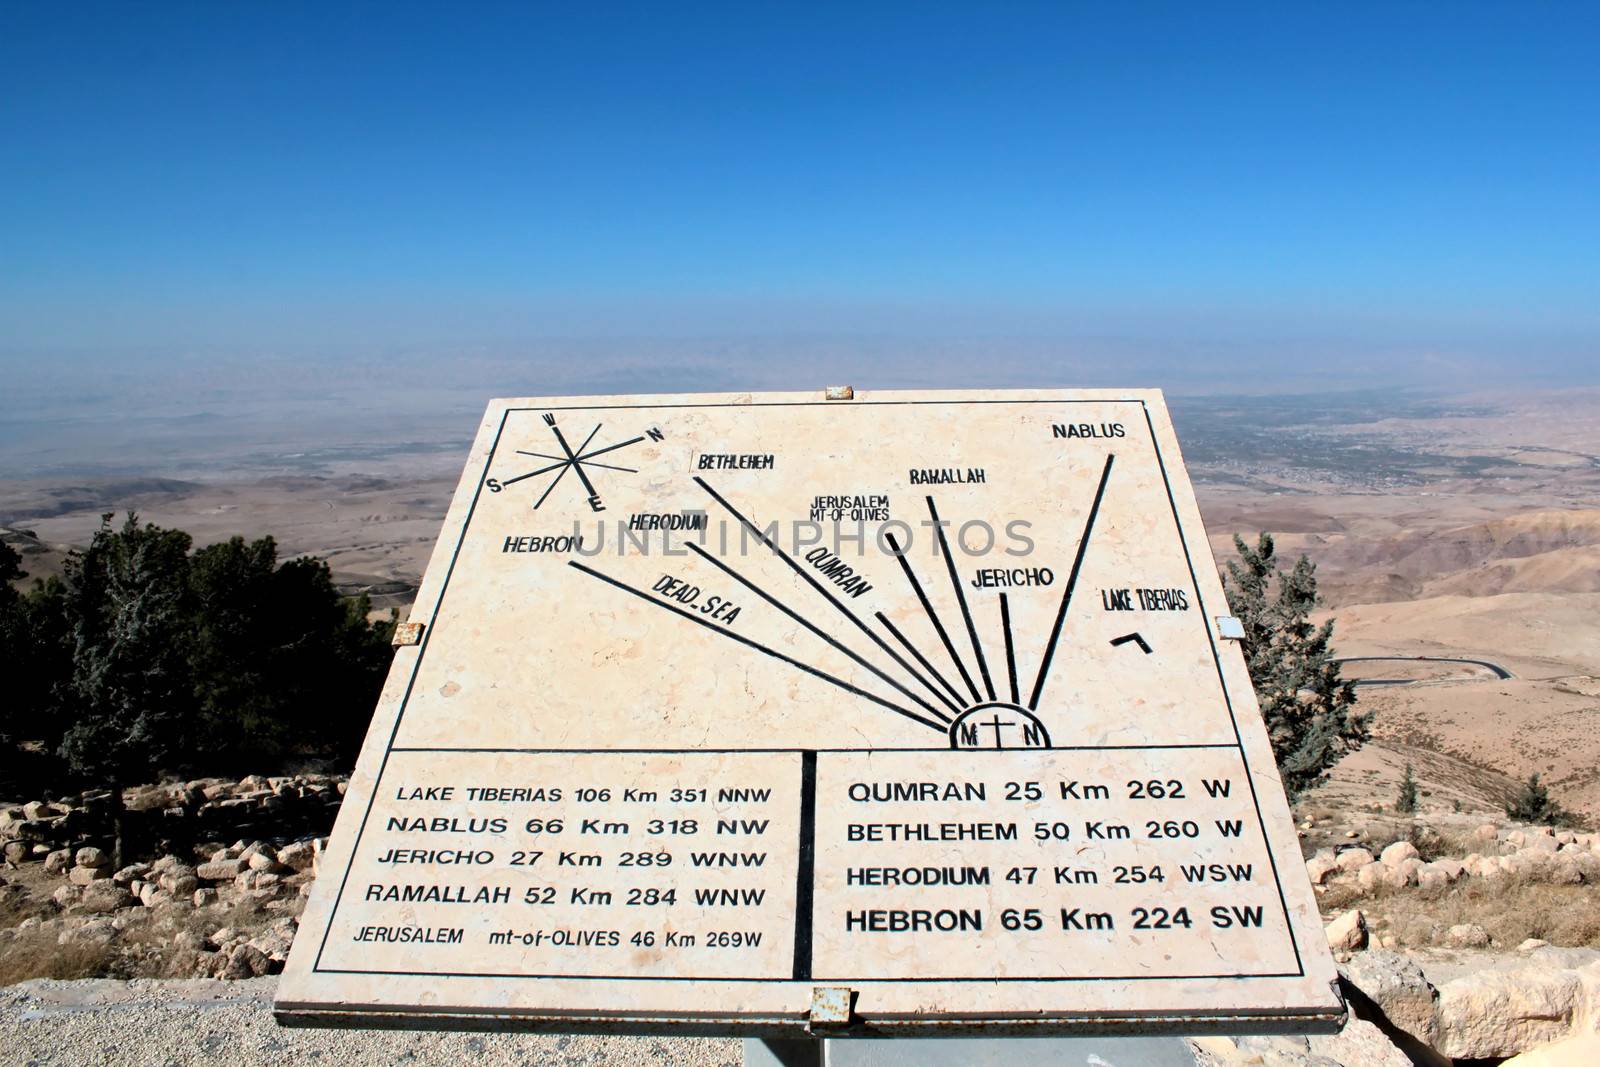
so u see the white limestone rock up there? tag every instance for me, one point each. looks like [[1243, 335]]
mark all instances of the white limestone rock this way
[[1397, 985], [1495, 1014], [1353, 859], [1467, 935], [1348, 932], [1398, 853]]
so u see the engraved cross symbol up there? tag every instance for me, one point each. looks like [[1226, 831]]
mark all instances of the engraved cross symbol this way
[[996, 724]]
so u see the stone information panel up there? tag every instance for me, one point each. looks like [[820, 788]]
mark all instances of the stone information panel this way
[[719, 701]]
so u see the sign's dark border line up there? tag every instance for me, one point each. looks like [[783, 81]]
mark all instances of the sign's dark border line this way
[[422, 648]]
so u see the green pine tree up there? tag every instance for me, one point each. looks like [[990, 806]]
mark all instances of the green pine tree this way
[[1308, 706], [13, 641], [282, 665], [1406, 802], [1532, 803], [128, 694], [35, 659]]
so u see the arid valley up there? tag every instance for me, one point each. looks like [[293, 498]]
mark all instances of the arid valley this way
[[1457, 546], [1450, 526]]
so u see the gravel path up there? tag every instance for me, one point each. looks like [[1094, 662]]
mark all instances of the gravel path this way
[[229, 1024]]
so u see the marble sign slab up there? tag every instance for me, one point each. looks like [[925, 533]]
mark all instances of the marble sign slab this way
[[729, 711]]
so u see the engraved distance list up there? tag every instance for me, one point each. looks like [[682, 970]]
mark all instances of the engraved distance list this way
[[610, 865]]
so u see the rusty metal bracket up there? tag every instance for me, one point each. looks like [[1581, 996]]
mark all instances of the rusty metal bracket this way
[[407, 633], [830, 1006], [839, 392]]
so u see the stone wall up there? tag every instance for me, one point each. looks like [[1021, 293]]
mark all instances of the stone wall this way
[[174, 816], [1539, 853]]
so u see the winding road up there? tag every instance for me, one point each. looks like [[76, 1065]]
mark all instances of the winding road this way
[[1499, 671]]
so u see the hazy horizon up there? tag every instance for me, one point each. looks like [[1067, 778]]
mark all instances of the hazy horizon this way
[[319, 224]]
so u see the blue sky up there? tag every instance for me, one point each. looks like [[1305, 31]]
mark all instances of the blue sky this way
[[1195, 188]]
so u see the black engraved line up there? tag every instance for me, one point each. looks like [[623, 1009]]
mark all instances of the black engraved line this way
[[586, 440], [429, 632], [1072, 581], [802, 572], [565, 467], [1004, 752], [609, 448], [770, 599], [860, 404], [568, 465], [933, 617], [1118, 642], [1011, 649], [573, 456], [587, 462], [532, 474], [923, 660], [961, 598], [1222, 682], [652, 1027], [814, 672], [805, 876]]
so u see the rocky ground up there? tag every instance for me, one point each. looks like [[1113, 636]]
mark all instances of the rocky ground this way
[[1461, 940], [1537, 1007], [204, 908], [1464, 939], [1458, 882]]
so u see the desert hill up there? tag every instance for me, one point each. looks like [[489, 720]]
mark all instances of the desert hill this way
[[40, 559], [1538, 635], [375, 532], [1370, 777], [1561, 570], [1413, 556], [1465, 743], [1566, 541], [1545, 720]]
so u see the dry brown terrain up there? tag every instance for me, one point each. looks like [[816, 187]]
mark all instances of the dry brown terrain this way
[[375, 532], [1451, 526], [1485, 546]]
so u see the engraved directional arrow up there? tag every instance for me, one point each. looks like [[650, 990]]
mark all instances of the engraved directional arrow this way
[[1134, 637]]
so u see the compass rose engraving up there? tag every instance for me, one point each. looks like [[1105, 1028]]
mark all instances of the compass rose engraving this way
[[578, 460]]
